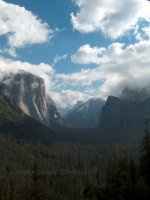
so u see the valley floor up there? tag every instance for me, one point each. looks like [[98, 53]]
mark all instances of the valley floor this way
[[72, 171]]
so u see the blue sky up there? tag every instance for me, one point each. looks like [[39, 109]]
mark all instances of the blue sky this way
[[83, 48], [66, 41]]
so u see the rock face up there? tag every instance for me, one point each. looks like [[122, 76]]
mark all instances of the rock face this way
[[14, 123], [135, 95], [27, 91], [85, 114], [125, 116]]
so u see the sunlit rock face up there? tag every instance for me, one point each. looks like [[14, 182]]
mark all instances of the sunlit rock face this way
[[27, 91]]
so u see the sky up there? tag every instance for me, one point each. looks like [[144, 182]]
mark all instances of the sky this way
[[82, 48]]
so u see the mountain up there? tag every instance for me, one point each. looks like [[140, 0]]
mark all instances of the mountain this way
[[124, 116], [135, 94], [85, 114], [27, 91], [64, 112], [14, 123]]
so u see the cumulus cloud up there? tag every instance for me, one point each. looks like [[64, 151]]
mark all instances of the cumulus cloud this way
[[96, 55], [112, 17], [85, 77], [119, 67], [87, 55], [22, 27]]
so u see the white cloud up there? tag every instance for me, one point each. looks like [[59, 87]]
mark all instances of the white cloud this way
[[146, 30], [85, 77], [112, 17], [87, 55], [59, 58], [22, 27], [95, 55], [67, 98], [119, 67]]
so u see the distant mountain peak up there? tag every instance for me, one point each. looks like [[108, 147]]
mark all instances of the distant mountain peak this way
[[85, 114]]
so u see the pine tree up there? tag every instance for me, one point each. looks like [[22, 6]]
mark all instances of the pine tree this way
[[140, 190]]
